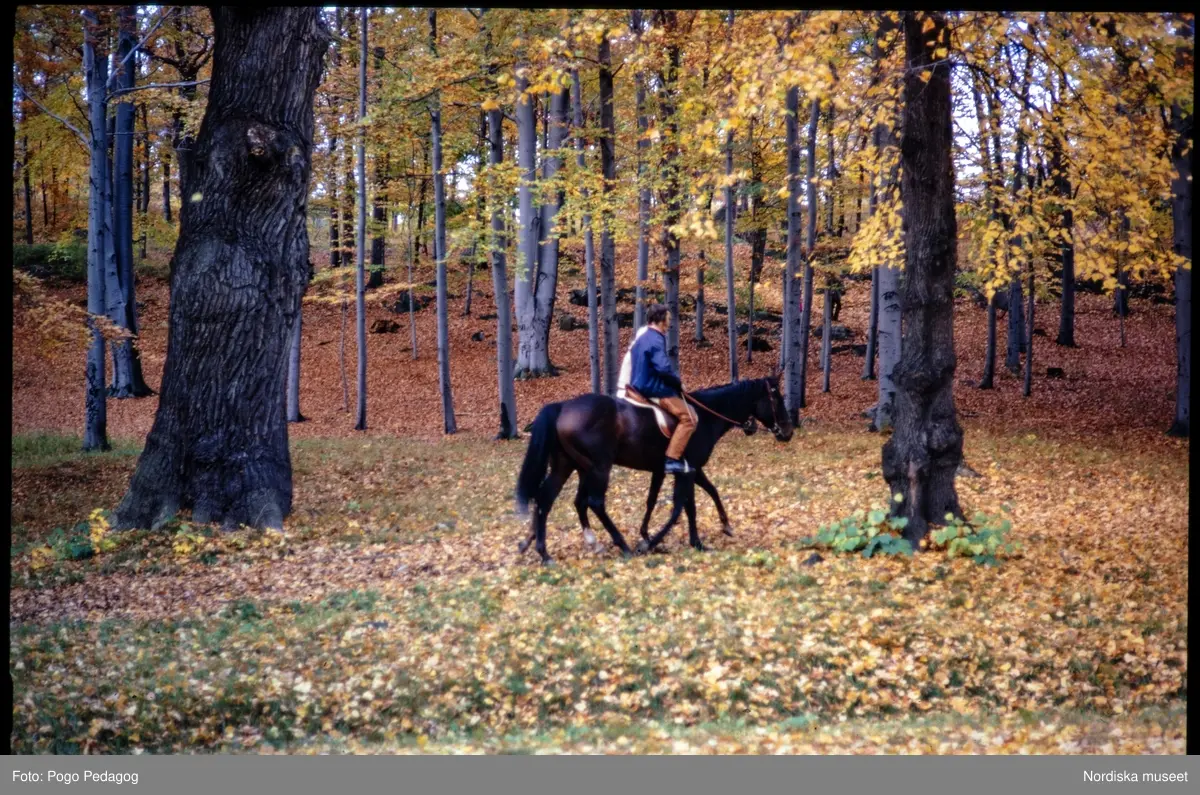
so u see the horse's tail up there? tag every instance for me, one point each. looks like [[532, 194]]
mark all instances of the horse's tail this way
[[542, 441]]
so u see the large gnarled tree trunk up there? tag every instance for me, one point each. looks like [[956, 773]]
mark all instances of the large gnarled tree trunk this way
[[219, 441], [922, 456]]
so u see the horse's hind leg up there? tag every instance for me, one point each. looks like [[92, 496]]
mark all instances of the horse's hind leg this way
[[706, 484], [656, 481], [547, 494], [597, 486], [581, 508]]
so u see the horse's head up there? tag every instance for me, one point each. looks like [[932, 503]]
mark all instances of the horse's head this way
[[771, 411]]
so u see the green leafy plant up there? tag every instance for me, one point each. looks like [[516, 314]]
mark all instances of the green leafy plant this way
[[984, 539], [873, 532]]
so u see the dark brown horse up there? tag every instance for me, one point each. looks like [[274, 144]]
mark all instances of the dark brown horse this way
[[593, 433]]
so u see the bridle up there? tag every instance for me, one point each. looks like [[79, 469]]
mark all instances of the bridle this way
[[775, 429], [749, 422]]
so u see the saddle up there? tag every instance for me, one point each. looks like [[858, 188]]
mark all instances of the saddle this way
[[666, 421]]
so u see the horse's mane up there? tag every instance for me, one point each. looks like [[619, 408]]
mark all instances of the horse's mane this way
[[739, 390]]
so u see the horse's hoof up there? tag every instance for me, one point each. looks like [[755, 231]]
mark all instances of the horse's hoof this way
[[522, 546], [728, 530], [547, 561], [643, 547], [626, 554]]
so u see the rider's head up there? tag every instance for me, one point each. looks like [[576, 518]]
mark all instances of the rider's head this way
[[656, 315]]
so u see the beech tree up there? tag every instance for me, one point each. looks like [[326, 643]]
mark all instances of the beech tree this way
[[219, 440]]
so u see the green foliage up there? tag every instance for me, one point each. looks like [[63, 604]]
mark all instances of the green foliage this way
[[873, 532], [66, 260], [983, 539]]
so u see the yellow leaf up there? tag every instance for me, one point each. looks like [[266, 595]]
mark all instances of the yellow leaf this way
[[928, 25]]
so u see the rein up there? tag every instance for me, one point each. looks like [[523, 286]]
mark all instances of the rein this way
[[695, 402]]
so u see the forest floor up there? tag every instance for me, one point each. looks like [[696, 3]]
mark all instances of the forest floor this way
[[394, 614]]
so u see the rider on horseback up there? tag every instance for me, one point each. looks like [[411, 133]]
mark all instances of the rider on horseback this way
[[654, 377]]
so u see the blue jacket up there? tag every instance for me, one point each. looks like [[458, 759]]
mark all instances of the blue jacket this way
[[653, 375]]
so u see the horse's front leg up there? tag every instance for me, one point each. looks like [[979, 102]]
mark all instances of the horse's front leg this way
[[690, 508], [683, 485], [656, 481], [706, 484]]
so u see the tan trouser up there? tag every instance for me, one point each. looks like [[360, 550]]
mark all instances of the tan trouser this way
[[678, 408]]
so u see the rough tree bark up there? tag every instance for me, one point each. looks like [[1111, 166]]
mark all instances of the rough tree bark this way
[[589, 247], [449, 425], [922, 456], [826, 338], [608, 168], [1016, 312], [219, 440]]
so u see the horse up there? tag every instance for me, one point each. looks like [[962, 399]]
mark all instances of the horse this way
[[749, 428], [592, 433]]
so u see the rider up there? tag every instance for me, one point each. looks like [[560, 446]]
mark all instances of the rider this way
[[654, 377]]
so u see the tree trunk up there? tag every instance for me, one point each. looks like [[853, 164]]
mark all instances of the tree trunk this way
[[1181, 217], [421, 204], [95, 64], [730, 217], [810, 245], [166, 185], [922, 456], [293, 381], [826, 337], [829, 172], [1062, 184], [504, 359], [449, 425], [1027, 387], [1016, 314], [987, 381], [608, 168], [793, 284], [533, 358], [888, 330], [219, 440], [127, 363], [360, 242], [643, 143], [380, 202], [872, 326], [412, 253], [28, 192], [547, 281], [335, 203], [669, 196], [589, 249]]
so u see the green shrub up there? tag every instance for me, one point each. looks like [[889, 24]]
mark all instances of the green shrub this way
[[873, 532], [66, 259], [983, 539]]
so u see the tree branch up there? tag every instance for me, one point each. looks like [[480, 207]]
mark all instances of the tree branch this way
[[185, 83], [113, 75], [52, 114]]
